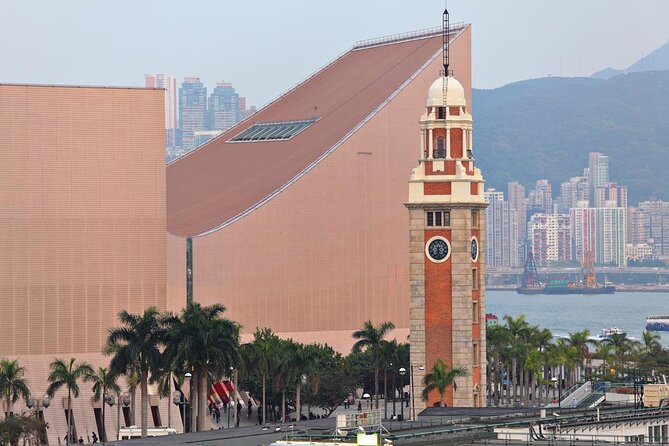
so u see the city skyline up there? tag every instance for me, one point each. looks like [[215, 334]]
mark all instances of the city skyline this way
[[88, 55]]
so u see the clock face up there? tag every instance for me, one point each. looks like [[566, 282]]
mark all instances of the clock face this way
[[437, 249], [474, 249]]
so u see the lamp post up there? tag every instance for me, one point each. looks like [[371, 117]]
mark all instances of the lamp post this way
[[555, 381], [43, 402], [303, 382], [402, 372], [413, 399], [118, 400], [192, 394]]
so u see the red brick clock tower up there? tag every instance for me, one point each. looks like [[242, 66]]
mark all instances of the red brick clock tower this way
[[447, 310]]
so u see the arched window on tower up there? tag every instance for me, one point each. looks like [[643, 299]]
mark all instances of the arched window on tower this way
[[440, 152]]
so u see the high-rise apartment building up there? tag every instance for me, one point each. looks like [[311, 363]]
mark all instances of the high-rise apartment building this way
[[224, 107], [573, 193], [502, 245], [598, 172], [611, 235], [601, 232], [549, 236], [636, 225], [169, 84], [583, 232], [656, 225], [192, 111], [540, 199], [611, 195], [518, 202]]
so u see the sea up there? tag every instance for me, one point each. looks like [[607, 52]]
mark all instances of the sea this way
[[564, 314]]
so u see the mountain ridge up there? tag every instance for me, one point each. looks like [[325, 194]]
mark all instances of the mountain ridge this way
[[545, 128]]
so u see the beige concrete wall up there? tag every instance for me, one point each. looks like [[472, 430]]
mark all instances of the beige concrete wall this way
[[82, 223]]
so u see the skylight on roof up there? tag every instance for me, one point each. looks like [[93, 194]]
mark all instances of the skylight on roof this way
[[272, 131]]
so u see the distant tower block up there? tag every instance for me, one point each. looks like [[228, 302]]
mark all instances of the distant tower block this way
[[446, 206]]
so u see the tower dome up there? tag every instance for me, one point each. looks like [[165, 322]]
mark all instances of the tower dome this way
[[455, 93]]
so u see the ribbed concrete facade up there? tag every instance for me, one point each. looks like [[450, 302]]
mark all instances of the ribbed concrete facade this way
[[82, 227]]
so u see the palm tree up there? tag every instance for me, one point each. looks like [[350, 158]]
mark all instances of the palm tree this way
[[440, 378], [622, 347], [259, 355], [651, 343], [136, 346], [580, 341], [371, 337], [12, 384], [498, 338], [67, 374], [103, 380], [518, 332], [206, 343]]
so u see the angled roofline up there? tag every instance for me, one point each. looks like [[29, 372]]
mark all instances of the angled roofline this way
[[362, 44], [326, 153]]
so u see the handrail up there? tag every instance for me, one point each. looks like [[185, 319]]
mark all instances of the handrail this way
[[427, 32], [571, 390]]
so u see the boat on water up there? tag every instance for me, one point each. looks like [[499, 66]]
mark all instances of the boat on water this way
[[586, 283], [657, 323], [607, 332]]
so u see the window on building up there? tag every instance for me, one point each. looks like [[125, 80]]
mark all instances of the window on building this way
[[437, 218], [475, 279], [155, 414], [475, 312], [441, 150], [272, 131], [441, 113], [475, 354], [475, 218]]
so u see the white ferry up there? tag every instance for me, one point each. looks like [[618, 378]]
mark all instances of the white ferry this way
[[657, 323], [607, 332]]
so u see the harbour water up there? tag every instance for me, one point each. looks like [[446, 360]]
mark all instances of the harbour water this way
[[569, 313]]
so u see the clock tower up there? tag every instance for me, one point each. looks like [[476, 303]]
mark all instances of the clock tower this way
[[447, 311]]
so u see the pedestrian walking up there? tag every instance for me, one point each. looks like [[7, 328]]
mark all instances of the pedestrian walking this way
[[239, 412], [95, 438], [250, 409], [359, 406]]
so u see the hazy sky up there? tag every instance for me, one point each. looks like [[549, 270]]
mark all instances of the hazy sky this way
[[265, 47]]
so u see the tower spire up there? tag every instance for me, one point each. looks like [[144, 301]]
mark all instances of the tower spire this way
[[445, 33]]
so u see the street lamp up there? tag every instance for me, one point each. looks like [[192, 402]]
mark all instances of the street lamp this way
[[368, 397], [43, 402], [303, 382], [403, 372], [555, 380], [192, 392], [118, 400], [180, 400]]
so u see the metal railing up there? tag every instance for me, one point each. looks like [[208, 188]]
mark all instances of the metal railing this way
[[427, 32]]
